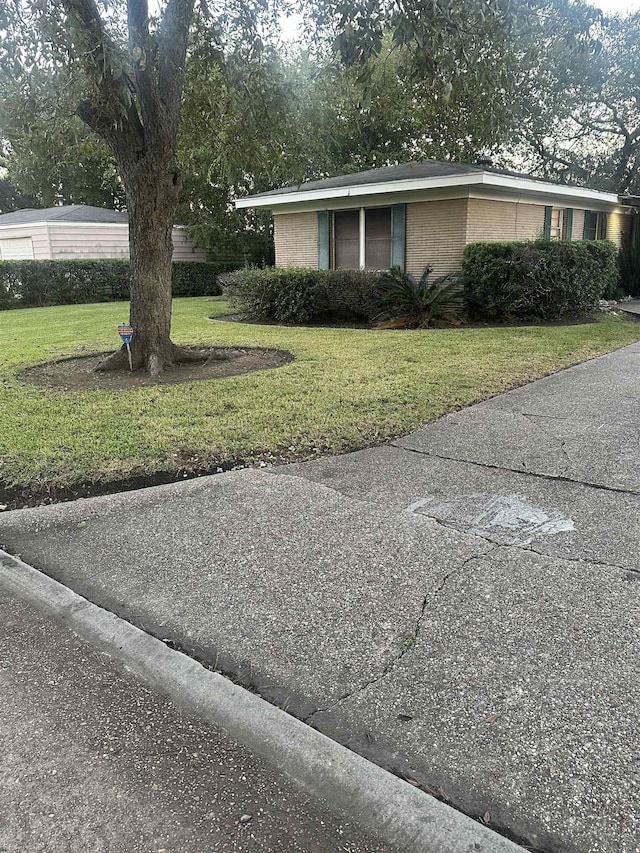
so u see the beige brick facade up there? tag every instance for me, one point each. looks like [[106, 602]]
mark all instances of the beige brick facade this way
[[489, 220], [618, 226], [296, 239], [435, 235], [438, 231]]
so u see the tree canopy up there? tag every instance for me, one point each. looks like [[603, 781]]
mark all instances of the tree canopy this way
[[547, 86]]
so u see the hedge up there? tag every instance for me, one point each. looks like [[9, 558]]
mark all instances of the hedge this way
[[26, 284], [301, 295], [538, 280]]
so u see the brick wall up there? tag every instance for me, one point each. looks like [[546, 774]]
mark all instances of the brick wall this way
[[296, 239], [618, 225], [503, 220], [435, 235]]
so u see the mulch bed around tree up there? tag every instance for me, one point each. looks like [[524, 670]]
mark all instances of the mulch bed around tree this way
[[79, 374]]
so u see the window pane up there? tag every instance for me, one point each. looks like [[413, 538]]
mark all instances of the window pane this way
[[601, 228], [346, 224], [555, 232], [377, 229]]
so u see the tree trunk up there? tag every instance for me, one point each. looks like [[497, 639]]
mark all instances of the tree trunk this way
[[151, 201], [152, 205]]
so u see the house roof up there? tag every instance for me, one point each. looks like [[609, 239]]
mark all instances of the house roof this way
[[408, 177], [64, 213]]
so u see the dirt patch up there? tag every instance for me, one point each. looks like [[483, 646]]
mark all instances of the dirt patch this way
[[78, 374]]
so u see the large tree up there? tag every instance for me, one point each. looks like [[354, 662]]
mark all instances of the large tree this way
[[132, 69]]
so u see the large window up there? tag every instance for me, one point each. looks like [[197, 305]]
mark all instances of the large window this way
[[377, 238], [346, 240], [362, 238]]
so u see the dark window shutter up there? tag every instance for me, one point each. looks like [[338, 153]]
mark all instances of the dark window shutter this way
[[323, 239], [546, 231], [587, 224], [568, 219], [398, 235]]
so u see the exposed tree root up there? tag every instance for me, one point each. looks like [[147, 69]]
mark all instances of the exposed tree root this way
[[154, 364], [119, 360], [183, 355]]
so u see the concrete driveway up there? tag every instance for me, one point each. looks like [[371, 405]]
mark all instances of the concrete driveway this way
[[462, 605]]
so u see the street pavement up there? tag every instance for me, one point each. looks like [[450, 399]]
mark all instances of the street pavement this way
[[92, 760], [461, 606]]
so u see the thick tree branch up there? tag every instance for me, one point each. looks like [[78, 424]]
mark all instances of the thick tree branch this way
[[172, 48], [111, 113]]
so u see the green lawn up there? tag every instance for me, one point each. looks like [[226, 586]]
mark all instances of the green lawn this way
[[346, 389]]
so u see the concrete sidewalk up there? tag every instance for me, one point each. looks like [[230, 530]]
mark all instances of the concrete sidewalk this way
[[462, 606]]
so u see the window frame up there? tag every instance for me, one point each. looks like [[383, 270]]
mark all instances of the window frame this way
[[362, 235], [561, 228]]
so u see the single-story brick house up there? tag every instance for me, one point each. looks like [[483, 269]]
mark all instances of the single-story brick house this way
[[423, 214], [76, 232]]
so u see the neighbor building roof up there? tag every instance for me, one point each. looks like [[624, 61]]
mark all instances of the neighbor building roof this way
[[408, 177], [63, 213]]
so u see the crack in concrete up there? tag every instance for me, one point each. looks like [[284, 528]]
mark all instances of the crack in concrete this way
[[620, 490], [559, 442], [475, 532], [408, 642]]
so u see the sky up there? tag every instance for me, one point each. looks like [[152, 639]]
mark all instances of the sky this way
[[616, 7], [292, 24]]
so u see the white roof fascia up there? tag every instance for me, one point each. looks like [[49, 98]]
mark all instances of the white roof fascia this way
[[494, 194], [488, 179], [61, 223], [378, 200], [54, 223], [65, 223], [24, 225], [353, 191]]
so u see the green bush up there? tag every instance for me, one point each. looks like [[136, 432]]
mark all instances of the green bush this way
[[301, 295], [27, 284], [405, 301], [538, 280]]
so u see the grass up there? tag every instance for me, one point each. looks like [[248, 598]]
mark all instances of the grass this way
[[346, 389]]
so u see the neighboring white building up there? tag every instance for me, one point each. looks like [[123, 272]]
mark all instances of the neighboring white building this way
[[76, 232]]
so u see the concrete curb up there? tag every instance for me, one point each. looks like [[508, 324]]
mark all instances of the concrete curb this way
[[388, 807]]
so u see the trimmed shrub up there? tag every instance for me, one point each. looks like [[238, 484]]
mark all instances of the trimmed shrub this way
[[538, 280], [198, 278], [27, 284], [301, 295]]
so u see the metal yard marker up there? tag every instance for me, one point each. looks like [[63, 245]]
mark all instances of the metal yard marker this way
[[126, 334]]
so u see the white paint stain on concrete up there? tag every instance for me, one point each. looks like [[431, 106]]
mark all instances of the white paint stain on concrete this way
[[507, 519]]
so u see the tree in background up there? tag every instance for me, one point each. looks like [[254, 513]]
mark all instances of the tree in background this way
[[544, 85], [51, 155], [577, 110]]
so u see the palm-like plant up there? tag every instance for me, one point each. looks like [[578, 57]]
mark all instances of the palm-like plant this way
[[404, 301]]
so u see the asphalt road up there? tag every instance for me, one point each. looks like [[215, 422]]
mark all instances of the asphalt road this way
[[94, 761]]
